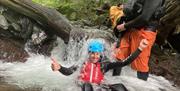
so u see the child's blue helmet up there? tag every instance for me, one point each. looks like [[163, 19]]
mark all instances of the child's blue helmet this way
[[95, 46]]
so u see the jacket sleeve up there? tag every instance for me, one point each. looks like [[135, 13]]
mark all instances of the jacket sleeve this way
[[68, 71], [125, 62], [149, 9]]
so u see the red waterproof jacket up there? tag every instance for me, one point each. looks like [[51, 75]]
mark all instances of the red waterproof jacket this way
[[91, 72]]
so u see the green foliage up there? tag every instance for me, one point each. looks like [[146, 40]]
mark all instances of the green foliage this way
[[48, 3], [67, 9], [80, 9]]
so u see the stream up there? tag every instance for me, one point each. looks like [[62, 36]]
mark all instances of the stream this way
[[36, 74]]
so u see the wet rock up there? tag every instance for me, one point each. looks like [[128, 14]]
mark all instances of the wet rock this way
[[38, 35], [3, 22], [12, 51], [43, 48], [22, 30], [174, 41], [47, 17], [166, 65], [7, 87], [16, 27]]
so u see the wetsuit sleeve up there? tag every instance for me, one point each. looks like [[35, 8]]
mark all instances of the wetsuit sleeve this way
[[68, 71], [125, 62], [149, 8]]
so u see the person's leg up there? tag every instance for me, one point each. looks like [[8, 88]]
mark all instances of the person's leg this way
[[143, 75], [122, 52], [87, 87], [141, 62]]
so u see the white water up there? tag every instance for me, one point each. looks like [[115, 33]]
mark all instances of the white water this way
[[36, 72]]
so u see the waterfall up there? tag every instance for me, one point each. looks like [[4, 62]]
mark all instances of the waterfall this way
[[36, 72]]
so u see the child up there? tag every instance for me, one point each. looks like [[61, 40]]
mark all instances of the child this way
[[93, 69]]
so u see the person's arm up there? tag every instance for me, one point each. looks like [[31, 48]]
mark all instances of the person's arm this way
[[129, 59], [67, 71], [149, 8], [55, 66]]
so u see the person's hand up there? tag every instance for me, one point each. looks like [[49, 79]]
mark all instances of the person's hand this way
[[121, 27], [143, 44], [55, 66]]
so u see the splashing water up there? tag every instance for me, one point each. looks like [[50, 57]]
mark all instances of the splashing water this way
[[36, 72]]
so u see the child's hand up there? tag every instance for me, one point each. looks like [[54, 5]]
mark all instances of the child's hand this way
[[55, 66], [143, 44]]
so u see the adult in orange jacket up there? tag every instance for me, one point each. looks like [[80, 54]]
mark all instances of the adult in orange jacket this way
[[141, 23]]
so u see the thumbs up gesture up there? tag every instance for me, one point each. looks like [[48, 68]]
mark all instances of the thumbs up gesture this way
[[55, 66]]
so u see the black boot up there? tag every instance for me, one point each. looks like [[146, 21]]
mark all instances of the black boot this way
[[143, 75]]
